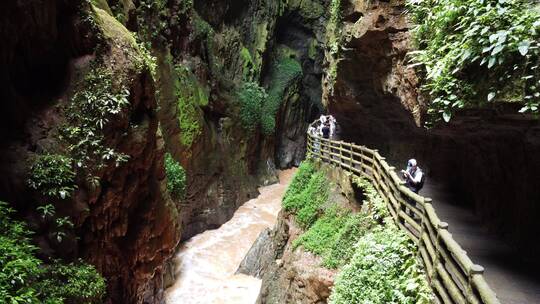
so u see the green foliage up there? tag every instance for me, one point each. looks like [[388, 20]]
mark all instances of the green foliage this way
[[90, 110], [378, 260], [191, 96], [384, 269], [19, 268], [176, 177], [52, 175], [146, 60], [335, 233], [342, 249], [374, 202], [248, 66], [334, 38], [157, 19], [26, 279], [251, 97], [284, 73], [477, 52], [307, 202], [299, 182], [72, 283], [323, 234]]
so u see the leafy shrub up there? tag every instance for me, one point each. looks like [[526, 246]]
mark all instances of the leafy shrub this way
[[19, 268], [374, 202], [283, 74], [26, 279], [306, 194], [476, 52], [176, 177], [342, 249], [384, 269], [251, 97], [52, 175], [307, 203], [88, 113], [319, 238], [73, 283], [298, 183]]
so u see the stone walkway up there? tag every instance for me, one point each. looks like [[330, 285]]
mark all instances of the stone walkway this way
[[513, 281]]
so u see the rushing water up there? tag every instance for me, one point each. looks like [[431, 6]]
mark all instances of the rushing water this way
[[206, 264]]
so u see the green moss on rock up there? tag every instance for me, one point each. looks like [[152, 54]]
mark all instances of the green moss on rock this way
[[248, 67], [113, 29], [285, 73], [191, 96], [102, 4], [309, 9]]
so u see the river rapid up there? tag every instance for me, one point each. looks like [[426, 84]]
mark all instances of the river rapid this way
[[205, 265]]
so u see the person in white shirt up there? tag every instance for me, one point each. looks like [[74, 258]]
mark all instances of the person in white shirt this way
[[414, 177], [332, 126]]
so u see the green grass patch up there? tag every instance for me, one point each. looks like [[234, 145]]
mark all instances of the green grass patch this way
[[298, 184], [324, 233], [342, 249], [306, 201]]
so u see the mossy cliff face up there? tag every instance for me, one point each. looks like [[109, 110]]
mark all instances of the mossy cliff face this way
[[206, 52], [374, 94], [87, 140], [96, 91]]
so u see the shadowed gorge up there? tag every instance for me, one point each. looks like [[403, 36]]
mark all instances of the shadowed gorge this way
[[148, 147]]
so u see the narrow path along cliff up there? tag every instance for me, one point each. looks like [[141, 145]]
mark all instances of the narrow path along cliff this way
[[206, 264], [512, 278]]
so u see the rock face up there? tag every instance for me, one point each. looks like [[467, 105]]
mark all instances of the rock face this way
[[205, 52], [290, 276], [485, 156], [186, 103], [300, 34], [124, 222]]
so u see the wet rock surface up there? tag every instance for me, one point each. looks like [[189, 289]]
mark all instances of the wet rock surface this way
[[291, 276]]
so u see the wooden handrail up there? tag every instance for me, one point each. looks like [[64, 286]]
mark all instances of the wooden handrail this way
[[454, 278]]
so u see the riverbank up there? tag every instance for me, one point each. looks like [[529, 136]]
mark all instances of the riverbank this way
[[206, 264]]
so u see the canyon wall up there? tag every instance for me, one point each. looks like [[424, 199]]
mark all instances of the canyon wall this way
[[58, 55], [96, 92], [486, 157]]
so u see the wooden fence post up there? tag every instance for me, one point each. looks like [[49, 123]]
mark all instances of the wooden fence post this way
[[438, 249], [474, 270], [351, 163], [340, 154]]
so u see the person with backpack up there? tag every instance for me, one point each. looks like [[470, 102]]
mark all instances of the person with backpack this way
[[326, 130], [414, 177]]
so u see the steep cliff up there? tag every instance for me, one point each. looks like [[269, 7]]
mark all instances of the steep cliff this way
[[96, 92], [206, 55], [82, 159], [484, 156]]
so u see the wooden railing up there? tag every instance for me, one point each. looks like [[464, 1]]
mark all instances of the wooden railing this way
[[453, 276]]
